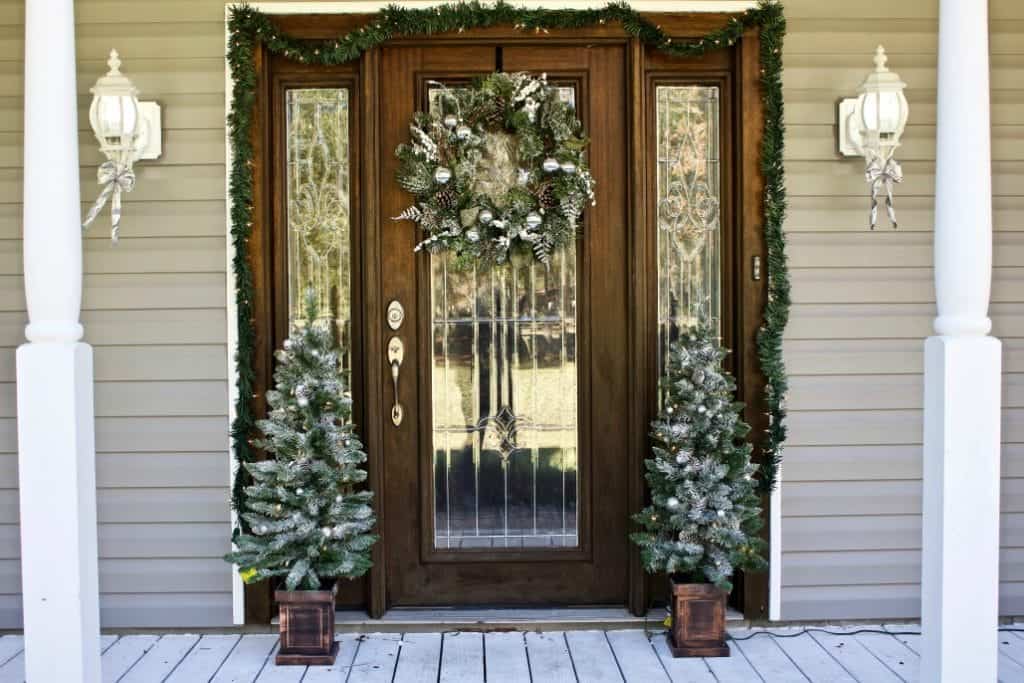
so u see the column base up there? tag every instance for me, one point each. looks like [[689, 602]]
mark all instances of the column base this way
[[57, 491], [960, 542]]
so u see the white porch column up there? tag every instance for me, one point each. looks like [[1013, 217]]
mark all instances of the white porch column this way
[[56, 452], [960, 559]]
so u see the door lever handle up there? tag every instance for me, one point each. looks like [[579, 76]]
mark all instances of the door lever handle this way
[[396, 353]]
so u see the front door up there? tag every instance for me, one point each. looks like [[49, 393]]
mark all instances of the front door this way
[[505, 478]]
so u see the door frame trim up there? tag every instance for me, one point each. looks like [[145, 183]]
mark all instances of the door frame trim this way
[[769, 590]]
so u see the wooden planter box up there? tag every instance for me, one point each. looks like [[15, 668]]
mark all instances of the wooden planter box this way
[[698, 620], [307, 627]]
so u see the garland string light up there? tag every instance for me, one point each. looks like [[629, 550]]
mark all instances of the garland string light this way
[[250, 28]]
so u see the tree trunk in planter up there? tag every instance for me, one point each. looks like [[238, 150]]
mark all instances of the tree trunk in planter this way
[[698, 620], [307, 626]]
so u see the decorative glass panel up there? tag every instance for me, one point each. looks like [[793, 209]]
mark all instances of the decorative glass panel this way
[[689, 187], [504, 407], [318, 208]]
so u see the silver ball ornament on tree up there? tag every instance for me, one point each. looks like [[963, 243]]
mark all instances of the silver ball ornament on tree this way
[[550, 165], [302, 401], [485, 216], [326, 531], [442, 175], [338, 498], [472, 235], [533, 220], [568, 167], [288, 344], [463, 132], [299, 491], [262, 529], [672, 502], [451, 120]]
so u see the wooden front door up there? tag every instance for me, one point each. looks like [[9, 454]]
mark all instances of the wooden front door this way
[[505, 477], [525, 392]]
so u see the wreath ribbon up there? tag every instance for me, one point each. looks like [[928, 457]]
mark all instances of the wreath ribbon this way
[[115, 179], [880, 174]]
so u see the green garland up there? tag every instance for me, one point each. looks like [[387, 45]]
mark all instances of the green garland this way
[[250, 28]]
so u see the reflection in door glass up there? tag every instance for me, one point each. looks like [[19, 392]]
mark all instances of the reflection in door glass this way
[[317, 149], [689, 187], [504, 404]]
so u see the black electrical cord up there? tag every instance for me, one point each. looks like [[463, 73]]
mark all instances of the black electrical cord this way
[[844, 633]]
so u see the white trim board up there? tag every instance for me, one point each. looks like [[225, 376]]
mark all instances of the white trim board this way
[[237, 587]]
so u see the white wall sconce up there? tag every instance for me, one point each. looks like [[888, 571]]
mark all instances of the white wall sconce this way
[[127, 130], [870, 125]]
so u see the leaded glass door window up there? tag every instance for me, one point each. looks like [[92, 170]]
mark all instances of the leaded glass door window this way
[[318, 189], [504, 400], [688, 216]]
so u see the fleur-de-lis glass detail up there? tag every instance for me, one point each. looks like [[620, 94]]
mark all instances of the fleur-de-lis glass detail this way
[[498, 431], [687, 215]]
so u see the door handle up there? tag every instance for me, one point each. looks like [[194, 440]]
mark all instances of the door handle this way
[[396, 353]]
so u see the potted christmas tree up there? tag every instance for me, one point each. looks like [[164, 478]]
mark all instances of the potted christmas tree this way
[[307, 522], [704, 516]]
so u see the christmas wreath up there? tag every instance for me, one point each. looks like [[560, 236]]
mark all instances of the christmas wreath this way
[[496, 169]]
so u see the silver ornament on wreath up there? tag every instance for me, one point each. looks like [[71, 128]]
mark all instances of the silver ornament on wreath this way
[[442, 175]]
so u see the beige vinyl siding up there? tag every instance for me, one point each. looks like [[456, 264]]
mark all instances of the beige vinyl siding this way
[[154, 310], [863, 302]]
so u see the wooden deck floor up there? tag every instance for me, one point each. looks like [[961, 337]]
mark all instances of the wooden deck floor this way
[[598, 656]]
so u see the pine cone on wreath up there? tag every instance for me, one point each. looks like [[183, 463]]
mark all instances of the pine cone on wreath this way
[[447, 198], [546, 195], [494, 115]]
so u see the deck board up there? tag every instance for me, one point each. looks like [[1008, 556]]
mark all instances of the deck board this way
[[123, 655], [892, 652], [505, 657], [636, 657], [375, 658], [814, 662], [203, 660], [419, 656], [773, 664], [339, 671], [854, 657], [831, 654], [682, 670], [247, 659], [161, 659], [592, 657], [549, 657], [462, 657]]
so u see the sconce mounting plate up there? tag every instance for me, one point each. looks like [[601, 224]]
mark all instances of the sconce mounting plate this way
[[149, 144], [849, 133]]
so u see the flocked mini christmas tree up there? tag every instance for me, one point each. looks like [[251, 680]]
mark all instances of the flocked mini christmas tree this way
[[704, 515], [308, 518]]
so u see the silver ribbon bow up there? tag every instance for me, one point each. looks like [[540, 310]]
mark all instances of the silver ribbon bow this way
[[115, 179], [878, 174]]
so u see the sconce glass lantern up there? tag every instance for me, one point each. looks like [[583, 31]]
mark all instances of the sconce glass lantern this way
[[127, 130], [114, 114], [871, 126]]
